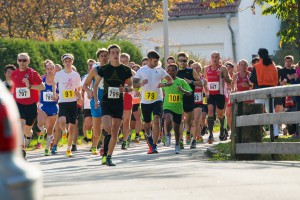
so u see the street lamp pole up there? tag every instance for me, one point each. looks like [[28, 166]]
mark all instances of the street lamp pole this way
[[166, 30]]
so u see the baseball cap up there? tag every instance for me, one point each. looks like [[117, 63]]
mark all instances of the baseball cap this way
[[67, 55]]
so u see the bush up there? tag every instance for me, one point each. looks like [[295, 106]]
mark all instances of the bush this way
[[40, 51]]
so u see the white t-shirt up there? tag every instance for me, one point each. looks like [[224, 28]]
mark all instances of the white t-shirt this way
[[150, 93], [86, 104], [101, 84], [67, 83]]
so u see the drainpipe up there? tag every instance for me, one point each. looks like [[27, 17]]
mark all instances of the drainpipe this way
[[228, 18]]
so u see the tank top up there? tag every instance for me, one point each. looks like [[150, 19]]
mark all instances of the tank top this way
[[46, 95], [214, 81], [240, 80]]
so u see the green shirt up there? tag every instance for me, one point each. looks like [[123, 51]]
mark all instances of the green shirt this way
[[173, 99]]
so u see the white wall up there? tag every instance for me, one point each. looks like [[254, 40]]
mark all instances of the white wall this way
[[255, 31]]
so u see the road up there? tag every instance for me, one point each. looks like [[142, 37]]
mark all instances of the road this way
[[164, 176]]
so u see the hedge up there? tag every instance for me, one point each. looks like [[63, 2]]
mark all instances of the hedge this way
[[40, 51]]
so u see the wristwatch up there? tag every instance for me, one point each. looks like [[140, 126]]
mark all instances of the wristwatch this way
[[29, 86]]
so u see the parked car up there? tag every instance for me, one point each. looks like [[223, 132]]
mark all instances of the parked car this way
[[19, 180]]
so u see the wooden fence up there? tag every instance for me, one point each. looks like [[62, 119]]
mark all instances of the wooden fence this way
[[239, 120]]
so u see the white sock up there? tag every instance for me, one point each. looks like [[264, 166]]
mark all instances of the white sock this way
[[48, 141], [68, 148]]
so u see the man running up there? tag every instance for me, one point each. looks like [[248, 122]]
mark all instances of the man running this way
[[216, 76], [26, 85], [173, 105], [115, 75], [149, 78]]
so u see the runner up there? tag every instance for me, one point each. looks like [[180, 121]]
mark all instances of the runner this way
[[8, 69], [199, 93], [190, 76], [102, 55], [26, 85], [115, 75], [48, 108], [69, 92], [216, 76], [149, 79], [173, 105], [144, 62], [227, 91]]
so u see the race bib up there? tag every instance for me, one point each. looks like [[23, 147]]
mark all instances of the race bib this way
[[204, 100], [198, 97], [68, 94], [174, 98], [48, 96], [22, 93], [214, 86], [113, 92], [150, 95]]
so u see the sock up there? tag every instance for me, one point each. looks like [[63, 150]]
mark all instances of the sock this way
[[42, 129], [106, 143], [108, 156], [222, 122], [210, 122], [48, 141], [27, 141], [225, 123], [68, 148], [188, 132]]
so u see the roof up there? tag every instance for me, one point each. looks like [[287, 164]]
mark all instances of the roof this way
[[198, 8]]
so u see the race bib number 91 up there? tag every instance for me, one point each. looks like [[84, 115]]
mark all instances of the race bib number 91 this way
[[22, 93], [174, 98], [150, 95], [68, 94], [113, 92], [48, 96], [214, 86]]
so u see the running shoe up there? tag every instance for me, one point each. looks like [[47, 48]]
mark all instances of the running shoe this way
[[27, 141], [203, 131], [193, 144], [199, 139], [103, 160], [85, 140], [222, 135], [110, 163], [181, 145], [137, 139], [154, 149], [94, 151], [149, 150], [177, 149], [24, 153], [210, 139], [69, 153], [188, 139], [149, 141], [38, 146], [40, 138], [74, 147], [127, 144], [123, 145], [163, 140], [64, 135], [54, 149], [47, 152], [168, 141]]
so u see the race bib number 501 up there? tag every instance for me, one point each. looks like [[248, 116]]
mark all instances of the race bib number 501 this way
[[22, 93], [113, 92]]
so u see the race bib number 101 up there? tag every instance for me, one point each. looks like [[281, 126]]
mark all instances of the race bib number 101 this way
[[22, 93], [113, 92], [174, 98]]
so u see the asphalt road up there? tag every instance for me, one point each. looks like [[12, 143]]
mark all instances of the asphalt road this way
[[166, 175]]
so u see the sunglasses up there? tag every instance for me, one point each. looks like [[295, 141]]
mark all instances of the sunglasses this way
[[183, 61], [22, 60]]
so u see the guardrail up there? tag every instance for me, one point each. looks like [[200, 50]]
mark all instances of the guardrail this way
[[239, 120]]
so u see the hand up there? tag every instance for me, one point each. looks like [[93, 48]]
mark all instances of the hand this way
[[290, 76], [160, 85], [80, 101], [180, 89], [283, 82], [295, 76], [55, 97], [144, 82], [137, 94], [188, 81], [96, 104], [245, 84], [121, 88], [90, 94], [26, 82]]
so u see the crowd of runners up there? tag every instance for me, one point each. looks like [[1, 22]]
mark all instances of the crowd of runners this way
[[119, 98]]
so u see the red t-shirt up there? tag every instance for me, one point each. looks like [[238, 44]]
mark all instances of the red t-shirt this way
[[21, 93]]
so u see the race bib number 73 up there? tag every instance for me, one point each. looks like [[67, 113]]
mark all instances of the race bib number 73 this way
[[150, 95], [22, 93]]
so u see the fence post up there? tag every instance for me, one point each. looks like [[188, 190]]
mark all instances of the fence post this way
[[271, 111], [234, 129]]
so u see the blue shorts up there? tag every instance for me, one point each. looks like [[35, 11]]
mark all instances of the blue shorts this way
[[96, 113], [50, 110]]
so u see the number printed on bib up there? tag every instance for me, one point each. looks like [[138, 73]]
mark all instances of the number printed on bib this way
[[198, 97], [174, 98], [150, 95], [68, 94], [113, 92], [213, 86], [48, 96], [22, 93]]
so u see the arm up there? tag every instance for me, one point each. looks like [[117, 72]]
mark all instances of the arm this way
[[95, 89], [86, 85], [55, 96], [225, 75], [233, 85], [185, 92], [169, 82]]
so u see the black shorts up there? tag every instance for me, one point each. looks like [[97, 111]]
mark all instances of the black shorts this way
[[113, 109], [188, 106], [216, 100], [87, 113], [68, 110], [28, 113], [135, 107], [176, 117], [198, 106], [147, 110], [279, 101]]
